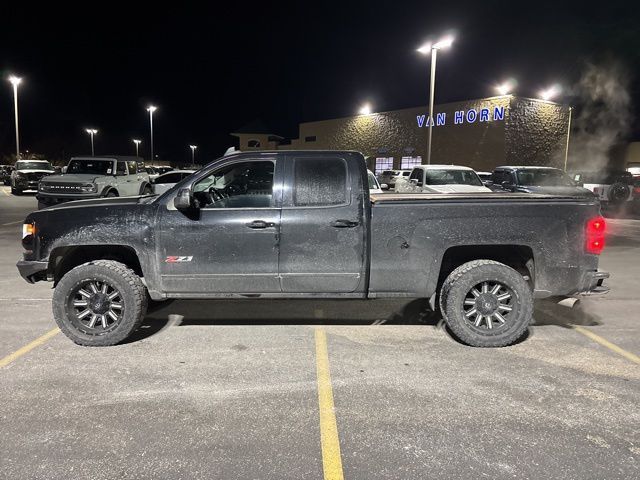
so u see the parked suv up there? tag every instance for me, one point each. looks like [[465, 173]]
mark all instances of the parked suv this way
[[614, 188], [532, 179], [27, 174], [94, 177]]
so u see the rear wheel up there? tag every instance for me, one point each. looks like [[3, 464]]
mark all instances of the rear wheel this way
[[99, 303], [486, 304], [16, 191], [147, 190], [111, 194]]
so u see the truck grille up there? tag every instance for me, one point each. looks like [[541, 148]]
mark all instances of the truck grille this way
[[35, 176], [60, 187]]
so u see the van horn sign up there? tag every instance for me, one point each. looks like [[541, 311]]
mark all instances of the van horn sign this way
[[461, 116]]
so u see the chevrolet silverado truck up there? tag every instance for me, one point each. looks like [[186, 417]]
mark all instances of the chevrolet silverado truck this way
[[303, 224], [95, 177]]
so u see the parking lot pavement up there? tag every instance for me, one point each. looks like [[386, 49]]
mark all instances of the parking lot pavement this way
[[230, 389]]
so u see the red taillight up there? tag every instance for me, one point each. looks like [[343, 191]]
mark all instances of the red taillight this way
[[595, 235], [636, 192]]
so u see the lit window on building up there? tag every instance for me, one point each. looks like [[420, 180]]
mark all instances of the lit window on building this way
[[383, 163], [408, 163], [253, 143]]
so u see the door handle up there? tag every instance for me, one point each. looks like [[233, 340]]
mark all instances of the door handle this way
[[259, 224], [344, 224]]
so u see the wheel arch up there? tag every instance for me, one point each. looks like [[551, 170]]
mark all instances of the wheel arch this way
[[108, 189], [65, 258], [519, 257], [143, 185]]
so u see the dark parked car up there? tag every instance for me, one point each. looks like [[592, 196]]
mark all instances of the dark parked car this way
[[5, 174], [304, 225], [530, 179]]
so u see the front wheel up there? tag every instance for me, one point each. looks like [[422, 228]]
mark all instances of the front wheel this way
[[486, 304], [99, 303]]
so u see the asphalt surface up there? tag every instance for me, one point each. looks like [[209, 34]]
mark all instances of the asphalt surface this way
[[228, 389]]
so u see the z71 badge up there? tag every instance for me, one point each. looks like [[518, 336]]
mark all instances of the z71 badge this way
[[173, 259]]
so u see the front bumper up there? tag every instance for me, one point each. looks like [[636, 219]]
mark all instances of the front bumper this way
[[56, 199], [32, 271]]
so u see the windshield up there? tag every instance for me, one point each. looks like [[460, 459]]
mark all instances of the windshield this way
[[543, 177], [97, 167], [31, 165], [452, 177]]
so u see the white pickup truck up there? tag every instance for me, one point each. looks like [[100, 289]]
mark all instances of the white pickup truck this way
[[441, 179]]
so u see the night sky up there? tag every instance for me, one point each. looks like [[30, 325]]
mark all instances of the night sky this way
[[212, 70]]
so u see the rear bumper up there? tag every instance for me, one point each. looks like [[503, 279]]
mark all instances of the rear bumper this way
[[32, 271], [593, 283]]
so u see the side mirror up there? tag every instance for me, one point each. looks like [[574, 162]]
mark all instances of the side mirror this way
[[184, 199], [384, 186], [414, 181]]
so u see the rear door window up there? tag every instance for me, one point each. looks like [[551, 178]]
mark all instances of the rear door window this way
[[133, 167], [319, 182]]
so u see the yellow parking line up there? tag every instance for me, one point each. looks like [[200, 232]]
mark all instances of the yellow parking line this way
[[5, 192], [606, 343], [27, 348], [331, 460]]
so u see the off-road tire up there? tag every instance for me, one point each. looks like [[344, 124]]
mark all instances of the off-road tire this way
[[462, 280], [147, 190], [15, 191], [120, 277], [618, 194]]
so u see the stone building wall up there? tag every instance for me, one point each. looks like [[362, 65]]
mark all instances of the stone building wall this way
[[481, 133]]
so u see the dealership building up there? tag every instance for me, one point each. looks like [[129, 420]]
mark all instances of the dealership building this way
[[482, 134]]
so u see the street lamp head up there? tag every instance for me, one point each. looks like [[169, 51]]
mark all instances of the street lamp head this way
[[91, 131], [550, 92], [442, 43], [193, 147], [151, 108], [365, 109], [446, 42], [15, 81], [136, 141], [506, 88]]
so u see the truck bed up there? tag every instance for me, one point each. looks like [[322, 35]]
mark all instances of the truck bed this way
[[413, 234]]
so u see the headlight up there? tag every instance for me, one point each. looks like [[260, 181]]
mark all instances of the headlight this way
[[88, 188], [43, 187]]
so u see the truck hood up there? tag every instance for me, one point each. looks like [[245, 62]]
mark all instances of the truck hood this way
[[559, 190], [33, 170], [454, 189], [73, 178], [101, 202]]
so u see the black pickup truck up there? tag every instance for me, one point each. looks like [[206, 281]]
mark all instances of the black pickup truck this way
[[300, 224]]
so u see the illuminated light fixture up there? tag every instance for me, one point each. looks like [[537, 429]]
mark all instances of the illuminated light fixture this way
[[505, 88], [446, 42], [91, 132], [365, 109], [15, 81], [193, 154], [151, 109], [550, 92], [137, 142]]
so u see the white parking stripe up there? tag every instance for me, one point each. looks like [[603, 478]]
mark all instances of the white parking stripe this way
[[12, 223]]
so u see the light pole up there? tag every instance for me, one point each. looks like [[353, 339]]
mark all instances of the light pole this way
[[92, 132], [15, 81], [193, 154], [425, 50], [151, 109], [137, 142]]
